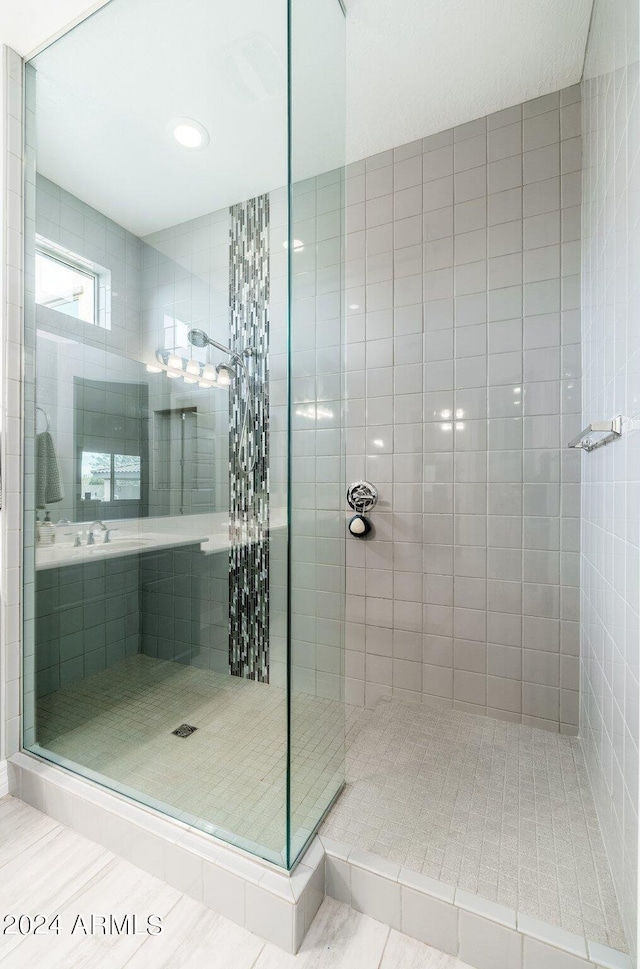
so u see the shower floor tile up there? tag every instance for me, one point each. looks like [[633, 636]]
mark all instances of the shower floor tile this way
[[229, 776], [499, 809]]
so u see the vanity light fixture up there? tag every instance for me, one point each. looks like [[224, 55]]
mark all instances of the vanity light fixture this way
[[192, 371]]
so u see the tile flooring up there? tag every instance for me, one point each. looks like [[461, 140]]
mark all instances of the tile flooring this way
[[47, 869], [229, 776], [498, 809]]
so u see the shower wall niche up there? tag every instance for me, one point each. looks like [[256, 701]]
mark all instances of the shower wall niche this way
[[167, 573]]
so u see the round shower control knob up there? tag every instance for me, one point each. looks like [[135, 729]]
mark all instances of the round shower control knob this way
[[362, 496], [359, 526]]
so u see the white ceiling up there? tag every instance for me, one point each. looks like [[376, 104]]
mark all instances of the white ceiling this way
[[26, 25], [414, 67], [108, 92]]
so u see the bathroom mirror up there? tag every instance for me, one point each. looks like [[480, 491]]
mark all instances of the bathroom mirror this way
[[131, 250]]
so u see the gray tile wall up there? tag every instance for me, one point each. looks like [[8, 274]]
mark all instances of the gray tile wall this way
[[610, 603], [87, 619], [463, 386], [185, 607]]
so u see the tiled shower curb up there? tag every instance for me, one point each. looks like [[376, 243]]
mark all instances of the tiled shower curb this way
[[480, 932], [274, 904]]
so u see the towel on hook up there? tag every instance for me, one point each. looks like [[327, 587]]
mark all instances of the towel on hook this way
[[48, 478]]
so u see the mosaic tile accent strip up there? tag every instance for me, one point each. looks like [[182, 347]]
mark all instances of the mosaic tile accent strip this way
[[499, 809], [249, 491]]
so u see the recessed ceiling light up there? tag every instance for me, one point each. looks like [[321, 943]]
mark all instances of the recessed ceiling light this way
[[189, 133]]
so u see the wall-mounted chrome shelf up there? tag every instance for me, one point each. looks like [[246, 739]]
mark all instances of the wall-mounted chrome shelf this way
[[610, 429]]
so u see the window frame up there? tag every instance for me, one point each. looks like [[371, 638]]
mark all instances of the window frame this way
[[74, 261], [112, 477]]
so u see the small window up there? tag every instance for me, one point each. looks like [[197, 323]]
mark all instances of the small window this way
[[110, 477], [66, 288], [69, 284]]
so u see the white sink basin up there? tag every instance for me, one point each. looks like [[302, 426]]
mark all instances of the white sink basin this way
[[118, 545]]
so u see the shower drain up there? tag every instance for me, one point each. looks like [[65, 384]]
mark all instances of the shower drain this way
[[184, 730]]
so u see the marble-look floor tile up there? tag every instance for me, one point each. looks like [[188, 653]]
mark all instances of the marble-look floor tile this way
[[194, 936], [401, 952], [20, 827], [49, 872], [339, 938], [118, 891]]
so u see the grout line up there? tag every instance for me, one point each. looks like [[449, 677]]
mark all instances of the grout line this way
[[384, 948]]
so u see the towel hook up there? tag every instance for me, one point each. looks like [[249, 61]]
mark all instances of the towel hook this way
[[46, 416]]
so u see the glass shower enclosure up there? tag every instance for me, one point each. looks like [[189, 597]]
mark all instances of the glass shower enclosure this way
[[184, 532]]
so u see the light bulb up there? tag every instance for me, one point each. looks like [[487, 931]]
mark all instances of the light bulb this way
[[152, 369], [193, 367], [209, 372], [174, 361], [223, 375], [173, 375], [191, 380]]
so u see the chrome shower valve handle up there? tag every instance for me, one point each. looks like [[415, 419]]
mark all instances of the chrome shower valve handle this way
[[362, 496]]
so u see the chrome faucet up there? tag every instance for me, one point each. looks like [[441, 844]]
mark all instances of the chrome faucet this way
[[90, 537]]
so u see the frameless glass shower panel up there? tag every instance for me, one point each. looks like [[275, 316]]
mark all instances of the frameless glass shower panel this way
[[317, 519], [155, 611]]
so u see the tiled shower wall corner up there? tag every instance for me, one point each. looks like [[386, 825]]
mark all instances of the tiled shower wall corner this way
[[610, 606], [463, 388]]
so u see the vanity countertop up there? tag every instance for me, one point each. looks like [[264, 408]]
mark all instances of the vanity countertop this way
[[134, 536]]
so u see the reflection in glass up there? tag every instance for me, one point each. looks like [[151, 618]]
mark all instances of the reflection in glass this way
[[157, 331]]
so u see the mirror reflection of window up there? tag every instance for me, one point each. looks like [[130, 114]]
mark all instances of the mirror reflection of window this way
[[110, 477]]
